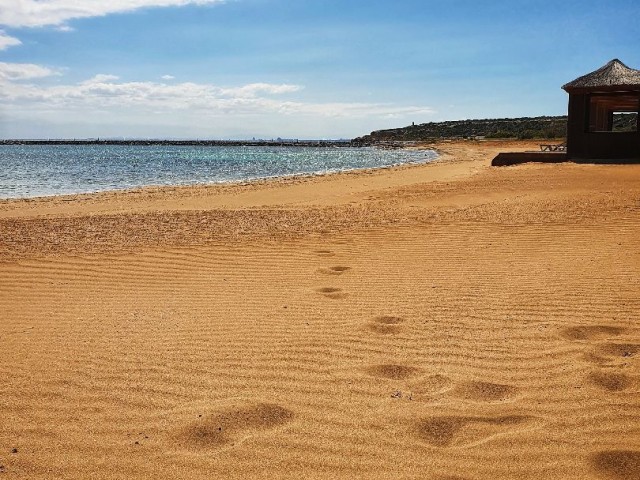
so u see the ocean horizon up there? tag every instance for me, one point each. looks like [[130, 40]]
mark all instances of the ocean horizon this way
[[28, 171]]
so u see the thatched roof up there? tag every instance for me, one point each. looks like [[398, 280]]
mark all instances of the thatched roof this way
[[613, 75]]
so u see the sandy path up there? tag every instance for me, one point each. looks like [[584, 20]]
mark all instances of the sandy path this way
[[451, 321]]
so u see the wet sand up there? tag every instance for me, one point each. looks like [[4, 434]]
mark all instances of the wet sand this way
[[443, 321]]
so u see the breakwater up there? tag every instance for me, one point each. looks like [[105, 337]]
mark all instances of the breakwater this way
[[191, 143]]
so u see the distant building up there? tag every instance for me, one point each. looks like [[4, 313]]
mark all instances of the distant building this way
[[595, 100]]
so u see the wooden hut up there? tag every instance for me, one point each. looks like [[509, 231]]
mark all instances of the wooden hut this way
[[598, 103]]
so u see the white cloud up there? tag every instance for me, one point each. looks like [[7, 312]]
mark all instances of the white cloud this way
[[253, 89], [100, 78], [6, 41], [24, 71], [167, 77], [104, 91], [185, 107], [38, 13]]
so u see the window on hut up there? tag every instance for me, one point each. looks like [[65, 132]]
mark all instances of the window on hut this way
[[613, 113]]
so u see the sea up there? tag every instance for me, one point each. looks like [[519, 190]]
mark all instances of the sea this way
[[44, 170]]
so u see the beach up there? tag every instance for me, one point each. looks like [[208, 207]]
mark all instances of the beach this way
[[448, 320]]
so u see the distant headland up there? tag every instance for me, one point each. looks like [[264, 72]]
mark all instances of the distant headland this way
[[522, 128]]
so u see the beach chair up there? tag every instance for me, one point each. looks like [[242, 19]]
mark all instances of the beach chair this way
[[547, 147]]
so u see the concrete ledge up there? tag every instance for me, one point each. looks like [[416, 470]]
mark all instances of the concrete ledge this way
[[516, 158]]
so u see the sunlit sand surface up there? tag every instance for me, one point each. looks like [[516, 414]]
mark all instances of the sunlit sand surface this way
[[444, 321]]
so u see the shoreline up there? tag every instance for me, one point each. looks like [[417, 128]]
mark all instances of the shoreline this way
[[245, 181], [242, 182], [282, 207], [204, 196]]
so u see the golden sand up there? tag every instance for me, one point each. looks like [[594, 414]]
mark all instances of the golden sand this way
[[443, 321]]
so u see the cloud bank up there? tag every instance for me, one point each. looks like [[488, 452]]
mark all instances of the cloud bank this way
[[108, 92], [40, 13]]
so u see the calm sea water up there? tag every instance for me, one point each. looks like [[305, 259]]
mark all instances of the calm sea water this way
[[42, 170]]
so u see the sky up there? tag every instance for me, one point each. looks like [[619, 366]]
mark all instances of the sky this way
[[308, 69]]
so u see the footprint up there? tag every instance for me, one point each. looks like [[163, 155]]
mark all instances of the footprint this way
[[331, 292], [440, 431], [338, 270], [386, 324], [606, 353], [591, 332], [484, 391], [619, 349], [617, 464], [230, 425], [448, 431], [612, 382], [392, 372]]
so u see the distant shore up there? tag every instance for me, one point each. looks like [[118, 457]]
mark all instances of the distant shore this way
[[204, 143]]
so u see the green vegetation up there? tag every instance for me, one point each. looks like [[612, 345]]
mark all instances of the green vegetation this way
[[522, 128], [625, 122]]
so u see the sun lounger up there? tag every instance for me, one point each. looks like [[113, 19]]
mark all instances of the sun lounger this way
[[560, 147]]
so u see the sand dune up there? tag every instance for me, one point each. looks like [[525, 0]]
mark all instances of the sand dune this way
[[446, 321]]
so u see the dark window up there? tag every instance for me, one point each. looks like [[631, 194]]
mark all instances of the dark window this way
[[613, 112]]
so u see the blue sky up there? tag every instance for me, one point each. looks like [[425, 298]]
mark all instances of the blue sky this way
[[305, 69]]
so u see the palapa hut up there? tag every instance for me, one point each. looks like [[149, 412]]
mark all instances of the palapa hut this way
[[597, 102]]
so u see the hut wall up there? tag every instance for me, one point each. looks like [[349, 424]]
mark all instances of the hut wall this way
[[577, 124], [582, 144]]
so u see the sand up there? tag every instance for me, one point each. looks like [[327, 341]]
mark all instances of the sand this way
[[443, 321]]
